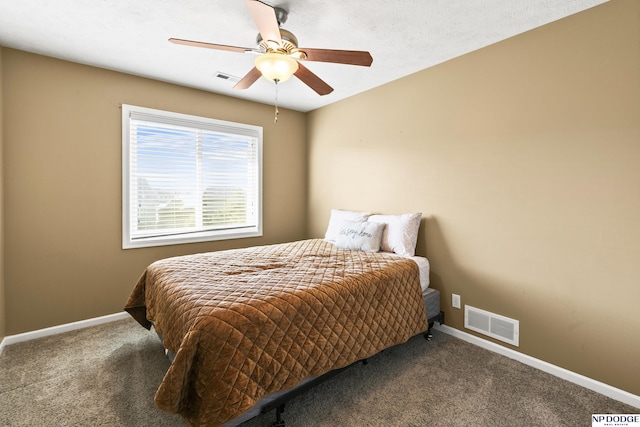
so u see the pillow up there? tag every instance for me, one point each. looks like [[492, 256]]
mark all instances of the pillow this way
[[362, 236], [335, 221], [401, 234]]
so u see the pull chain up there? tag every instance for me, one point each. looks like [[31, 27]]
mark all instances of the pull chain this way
[[275, 118]]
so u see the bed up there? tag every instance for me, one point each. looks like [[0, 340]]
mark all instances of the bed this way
[[248, 325]]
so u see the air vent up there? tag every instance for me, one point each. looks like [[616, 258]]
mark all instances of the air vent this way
[[491, 324], [225, 76]]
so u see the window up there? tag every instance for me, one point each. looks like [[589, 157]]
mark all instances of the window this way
[[188, 179]]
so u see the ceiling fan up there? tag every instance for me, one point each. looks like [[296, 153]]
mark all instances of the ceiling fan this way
[[279, 54]]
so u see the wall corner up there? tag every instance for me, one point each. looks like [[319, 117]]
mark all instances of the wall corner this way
[[2, 293]]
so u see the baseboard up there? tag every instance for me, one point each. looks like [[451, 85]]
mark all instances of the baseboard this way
[[54, 330], [581, 380]]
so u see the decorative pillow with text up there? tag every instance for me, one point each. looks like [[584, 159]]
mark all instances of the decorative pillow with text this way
[[335, 221], [361, 236]]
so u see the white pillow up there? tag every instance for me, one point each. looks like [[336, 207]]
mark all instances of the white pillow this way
[[362, 236], [401, 234], [335, 221]]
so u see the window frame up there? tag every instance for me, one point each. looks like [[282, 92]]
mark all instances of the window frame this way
[[196, 122]]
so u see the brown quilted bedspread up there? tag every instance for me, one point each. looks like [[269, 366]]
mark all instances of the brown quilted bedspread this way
[[249, 322]]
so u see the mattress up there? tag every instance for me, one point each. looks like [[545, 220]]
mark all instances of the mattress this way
[[423, 266]]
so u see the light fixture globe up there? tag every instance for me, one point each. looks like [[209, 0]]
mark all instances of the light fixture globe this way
[[276, 66]]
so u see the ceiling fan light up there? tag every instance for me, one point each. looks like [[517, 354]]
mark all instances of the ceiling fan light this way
[[276, 66]]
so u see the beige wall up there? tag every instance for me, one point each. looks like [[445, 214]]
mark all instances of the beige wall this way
[[62, 183], [524, 159], [2, 303]]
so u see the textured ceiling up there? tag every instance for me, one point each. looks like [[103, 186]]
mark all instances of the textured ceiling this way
[[403, 36]]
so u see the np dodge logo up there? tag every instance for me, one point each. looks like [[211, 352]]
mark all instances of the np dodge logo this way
[[615, 420]]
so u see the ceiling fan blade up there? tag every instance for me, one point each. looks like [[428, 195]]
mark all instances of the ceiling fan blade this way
[[350, 57], [211, 45], [249, 79], [313, 81], [265, 18]]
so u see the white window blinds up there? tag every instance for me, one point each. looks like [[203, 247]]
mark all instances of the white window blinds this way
[[189, 179]]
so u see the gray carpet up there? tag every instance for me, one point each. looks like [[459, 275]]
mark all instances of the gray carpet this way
[[107, 375]]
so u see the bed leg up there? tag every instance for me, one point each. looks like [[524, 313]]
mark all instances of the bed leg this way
[[428, 335], [440, 318], [279, 422]]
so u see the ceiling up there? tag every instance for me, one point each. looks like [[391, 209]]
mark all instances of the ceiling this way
[[403, 36]]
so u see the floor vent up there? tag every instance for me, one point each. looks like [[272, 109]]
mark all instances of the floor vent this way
[[496, 326]]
